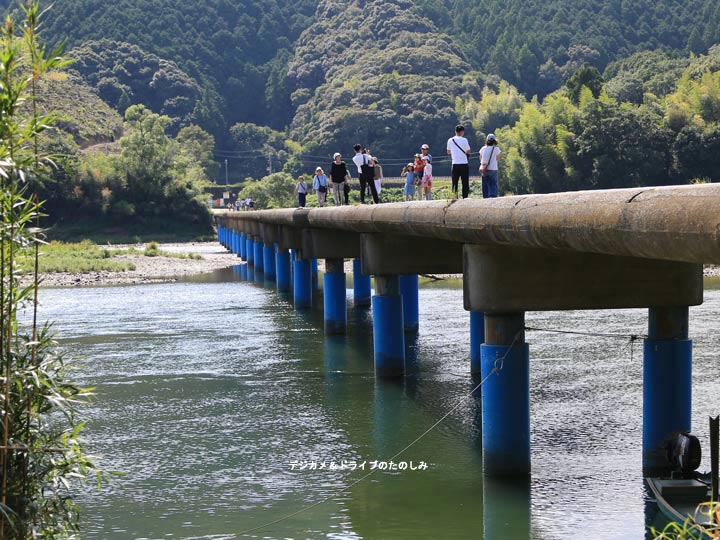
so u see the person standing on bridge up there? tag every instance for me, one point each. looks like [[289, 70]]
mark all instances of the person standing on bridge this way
[[301, 189], [489, 157], [338, 179], [364, 164], [378, 178], [459, 148], [320, 186]]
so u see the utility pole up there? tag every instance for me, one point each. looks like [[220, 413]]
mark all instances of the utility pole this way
[[226, 173], [269, 161]]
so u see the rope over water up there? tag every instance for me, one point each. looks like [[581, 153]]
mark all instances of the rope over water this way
[[499, 363]]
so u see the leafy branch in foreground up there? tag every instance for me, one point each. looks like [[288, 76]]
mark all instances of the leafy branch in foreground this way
[[41, 453]]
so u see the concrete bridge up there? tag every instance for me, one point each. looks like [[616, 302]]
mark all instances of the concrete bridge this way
[[630, 248]]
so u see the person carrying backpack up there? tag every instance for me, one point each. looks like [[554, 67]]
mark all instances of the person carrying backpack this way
[[489, 157], [320, 186], [459, 148]]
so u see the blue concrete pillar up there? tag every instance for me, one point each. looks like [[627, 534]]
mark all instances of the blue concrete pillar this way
[[236, 243], [250, 250], [243, 246], [334, 296], [244, 272], [269, 261], [219, 234], [362, 290], [250, 272], [505, 396], [315, 274], [388, 330], [302, 283], [409, 284], [477, 338], [258, 255], [667, 383], [282, 270]]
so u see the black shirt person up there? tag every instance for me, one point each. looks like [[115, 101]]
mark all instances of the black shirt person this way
[[364, 164]]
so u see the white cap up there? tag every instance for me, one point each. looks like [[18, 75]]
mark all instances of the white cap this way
[[335, 155], [425, 147]]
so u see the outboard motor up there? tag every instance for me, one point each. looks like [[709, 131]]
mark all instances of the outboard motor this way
[[684, 453]]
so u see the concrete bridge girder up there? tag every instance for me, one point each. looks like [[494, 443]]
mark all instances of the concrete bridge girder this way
[[392, 254], [329, 244], [508, 279]]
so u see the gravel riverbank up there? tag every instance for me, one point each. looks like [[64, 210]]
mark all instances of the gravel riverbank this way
[[150, 269], [167, 269]]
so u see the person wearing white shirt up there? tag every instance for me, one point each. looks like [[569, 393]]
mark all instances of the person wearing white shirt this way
[[489, 157], [365, 166], [458, 148]]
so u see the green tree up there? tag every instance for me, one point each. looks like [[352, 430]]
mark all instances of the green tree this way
[[273, 191], [587, 76], [41, 453]]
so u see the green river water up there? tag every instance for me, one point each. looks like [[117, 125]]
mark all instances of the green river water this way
[[212, 393]]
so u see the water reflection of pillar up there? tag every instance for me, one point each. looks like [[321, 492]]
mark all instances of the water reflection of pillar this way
[[282, 270], [409, 284], [506, 508], [361, 285], [667, 384], [334, 297], [506, 396], [243, 271], [388, 331]]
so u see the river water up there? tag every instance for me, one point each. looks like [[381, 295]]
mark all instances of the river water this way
[[225, 409]]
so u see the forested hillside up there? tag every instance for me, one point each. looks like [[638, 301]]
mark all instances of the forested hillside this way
[[280, 85]]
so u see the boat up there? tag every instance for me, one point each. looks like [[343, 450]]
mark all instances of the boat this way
[[684, 496]]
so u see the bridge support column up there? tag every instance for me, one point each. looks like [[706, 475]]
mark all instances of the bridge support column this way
[[506, 396], [243, 246], [302, 282], [282, 270], [409, 284], [244, 272], [667, 383], [315, 274], [238, 243], [361, 285], [258, 255], [250, 250], [334, 296], [388, 330], [477, 338], [269, 261]]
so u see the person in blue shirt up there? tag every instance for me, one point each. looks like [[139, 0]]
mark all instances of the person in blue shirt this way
[[320, 186], [409, 173]]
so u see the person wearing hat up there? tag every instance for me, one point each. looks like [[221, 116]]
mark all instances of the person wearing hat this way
[[409, 173], [425, 153], [459, 148], [320, 186], [338, 179], [489, 157], [301, 190]]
